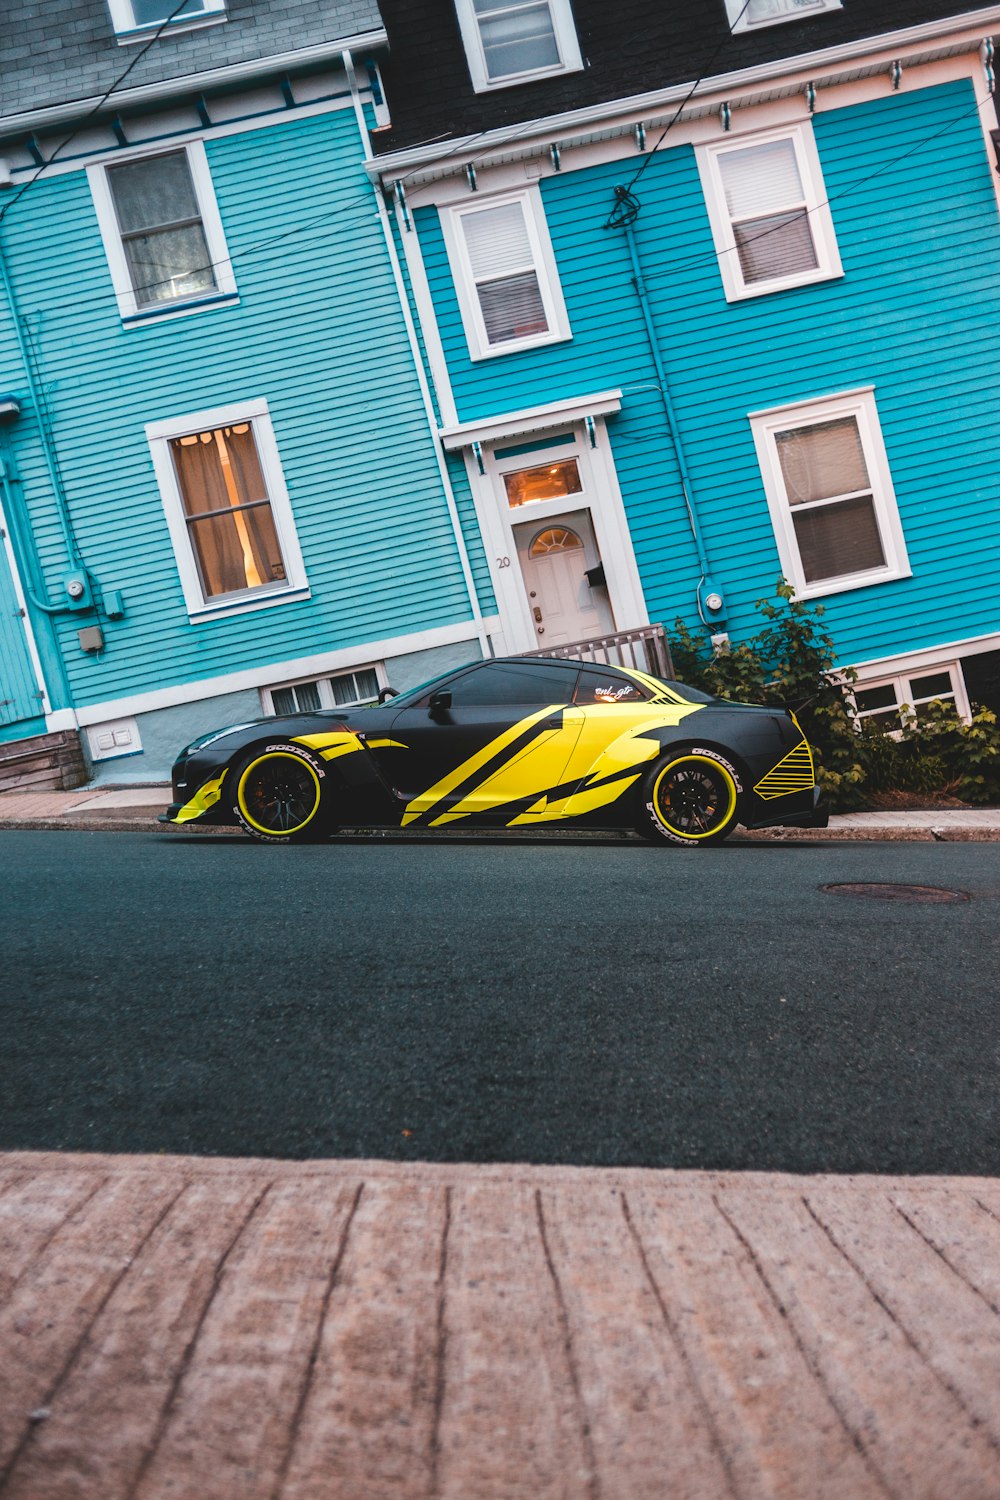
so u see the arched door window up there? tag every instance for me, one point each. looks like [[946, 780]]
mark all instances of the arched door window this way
[[554, 539]]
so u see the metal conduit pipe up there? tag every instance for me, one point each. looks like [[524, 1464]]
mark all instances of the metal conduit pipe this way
[[623, 217], [62, 507], [54, 680]]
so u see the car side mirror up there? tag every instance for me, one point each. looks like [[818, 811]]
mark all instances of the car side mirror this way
[[386, 693], [439, 705]]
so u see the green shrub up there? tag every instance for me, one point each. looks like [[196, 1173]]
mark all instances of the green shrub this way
[[790, 664]]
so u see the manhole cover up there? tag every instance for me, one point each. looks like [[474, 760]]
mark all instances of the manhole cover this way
[[931, 894]]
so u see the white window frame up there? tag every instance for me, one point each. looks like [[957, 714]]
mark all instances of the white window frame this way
[[739, 21], [211, 221], [816, 205], [859, 404], [323, 683], [900, 682], [543, 264], [159, 435], [563, 25], [127, 29]]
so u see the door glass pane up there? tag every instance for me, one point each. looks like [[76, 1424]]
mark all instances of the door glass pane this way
[[170, 264], [835, 540], [554, 539], [823, 460], [547, 482], [149, 194], [779, 245], [514, 683], [512, 308]]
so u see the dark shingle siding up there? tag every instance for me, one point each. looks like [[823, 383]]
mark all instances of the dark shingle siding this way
[[53, 54], [630, 47]]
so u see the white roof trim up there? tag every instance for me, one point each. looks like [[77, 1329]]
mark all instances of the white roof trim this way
[[167, 88], [532, 419], [450, 155]]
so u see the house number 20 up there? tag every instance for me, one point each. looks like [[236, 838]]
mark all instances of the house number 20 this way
[[503, 562]]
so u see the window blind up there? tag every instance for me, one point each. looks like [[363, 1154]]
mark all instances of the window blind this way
[[502, 262], [767, 205]]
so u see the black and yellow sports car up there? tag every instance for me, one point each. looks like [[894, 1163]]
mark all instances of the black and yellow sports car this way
[[513, 743]]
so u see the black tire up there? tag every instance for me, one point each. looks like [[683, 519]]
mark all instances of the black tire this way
[[690, 797], [279, 794]]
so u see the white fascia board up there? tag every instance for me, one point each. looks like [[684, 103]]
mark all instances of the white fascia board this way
[[968, 28], [168, 88], [922, 656], [532, 419], [285, 671]]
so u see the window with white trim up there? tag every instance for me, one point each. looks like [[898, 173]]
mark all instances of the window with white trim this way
[[768, 209], [227, 508], [830, 494], [136, 20], [162, 231], [892, 702], [513, 41], [750, 15], [505, 274], [344, 690]]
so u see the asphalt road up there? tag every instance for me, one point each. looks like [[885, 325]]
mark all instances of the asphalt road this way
[[566, 1002]]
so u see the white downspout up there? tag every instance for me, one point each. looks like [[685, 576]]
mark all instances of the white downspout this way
[[425, 391]]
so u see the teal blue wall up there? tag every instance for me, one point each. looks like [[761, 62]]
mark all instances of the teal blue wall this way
[[318, 332], [914, 314]]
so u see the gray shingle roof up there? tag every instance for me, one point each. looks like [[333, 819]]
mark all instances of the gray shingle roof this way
[[52, 54]]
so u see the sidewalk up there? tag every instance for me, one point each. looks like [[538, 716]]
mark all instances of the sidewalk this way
[[247, 1330], [134, 809]]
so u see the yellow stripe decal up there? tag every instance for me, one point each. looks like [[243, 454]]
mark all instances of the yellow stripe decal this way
[[440, 790], [796, 773], [205, 797]]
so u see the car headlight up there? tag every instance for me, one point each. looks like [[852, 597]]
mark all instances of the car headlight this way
[[210, 739]]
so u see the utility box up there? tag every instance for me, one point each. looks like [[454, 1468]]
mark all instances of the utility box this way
[[91, 638]]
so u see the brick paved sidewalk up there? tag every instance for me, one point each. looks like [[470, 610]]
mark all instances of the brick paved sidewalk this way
[[247, 1330]]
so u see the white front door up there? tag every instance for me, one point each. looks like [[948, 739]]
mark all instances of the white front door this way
[[555, 556]]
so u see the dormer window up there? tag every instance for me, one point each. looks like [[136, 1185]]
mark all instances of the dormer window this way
[[750, 15], [515, 41], [137, 20]]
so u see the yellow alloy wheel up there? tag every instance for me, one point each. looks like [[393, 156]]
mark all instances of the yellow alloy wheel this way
[[693, 798], [279, 794]]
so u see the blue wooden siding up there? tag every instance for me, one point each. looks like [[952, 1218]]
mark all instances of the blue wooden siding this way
[[916, 222], [319, 333]]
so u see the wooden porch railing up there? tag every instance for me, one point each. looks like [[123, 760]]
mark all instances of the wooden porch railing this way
[[646, 648]]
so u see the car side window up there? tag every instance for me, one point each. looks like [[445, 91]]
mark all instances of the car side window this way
[[596, 686], [507, 682]]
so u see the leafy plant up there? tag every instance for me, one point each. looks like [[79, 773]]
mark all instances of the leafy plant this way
[[790, 664]]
